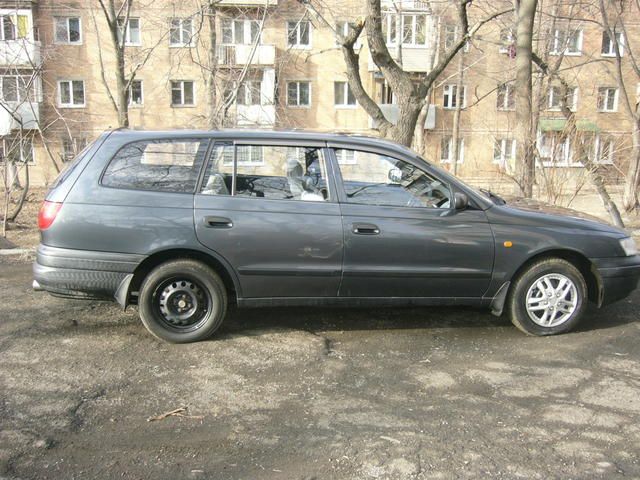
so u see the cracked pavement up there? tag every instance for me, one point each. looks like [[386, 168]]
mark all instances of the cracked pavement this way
[[314, 393]]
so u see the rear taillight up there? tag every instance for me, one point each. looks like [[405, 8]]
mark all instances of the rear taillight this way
[[47, 214]]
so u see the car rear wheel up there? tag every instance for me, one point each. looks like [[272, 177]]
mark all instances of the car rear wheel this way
[[549, 297], [182, 301]]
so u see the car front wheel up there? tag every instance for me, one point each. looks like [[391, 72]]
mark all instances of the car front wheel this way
[[182, 301], [548, 298]]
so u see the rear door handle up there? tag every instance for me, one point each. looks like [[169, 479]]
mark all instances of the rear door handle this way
[[217, 222], [365, 229]]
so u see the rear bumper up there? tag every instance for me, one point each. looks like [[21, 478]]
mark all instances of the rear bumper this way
[[618, 277], [82, 273]]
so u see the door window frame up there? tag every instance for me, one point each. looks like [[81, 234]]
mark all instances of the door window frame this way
[[265, 142], [342, 195]]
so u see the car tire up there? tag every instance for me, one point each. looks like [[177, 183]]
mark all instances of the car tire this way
[[182, 301], [547, 298]]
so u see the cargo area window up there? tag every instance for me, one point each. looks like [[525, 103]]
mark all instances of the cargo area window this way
[[157, 165], [272, 172]]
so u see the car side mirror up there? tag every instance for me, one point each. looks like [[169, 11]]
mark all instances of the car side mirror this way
[[461, 201]]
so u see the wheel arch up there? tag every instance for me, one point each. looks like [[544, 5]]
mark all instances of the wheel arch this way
[[219, 265]]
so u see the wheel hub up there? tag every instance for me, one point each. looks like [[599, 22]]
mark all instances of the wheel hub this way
[[182, 303], [551, 300]]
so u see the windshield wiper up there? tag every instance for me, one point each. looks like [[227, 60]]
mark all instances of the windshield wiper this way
[[497, 198]]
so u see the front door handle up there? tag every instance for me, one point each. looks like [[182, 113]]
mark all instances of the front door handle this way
[[365, 229], [217, 222]]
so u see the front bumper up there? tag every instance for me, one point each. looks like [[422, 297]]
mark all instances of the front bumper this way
[[618, 277], [82, 273]]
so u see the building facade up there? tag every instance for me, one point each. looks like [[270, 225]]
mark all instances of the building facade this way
[[277, 64]]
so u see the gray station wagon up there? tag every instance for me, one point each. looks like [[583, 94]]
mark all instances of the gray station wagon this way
[[182, 223]]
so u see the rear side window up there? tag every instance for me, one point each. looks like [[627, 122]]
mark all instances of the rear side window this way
[[157, 165]]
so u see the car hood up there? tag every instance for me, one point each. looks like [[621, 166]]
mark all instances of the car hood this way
[[528, 211]]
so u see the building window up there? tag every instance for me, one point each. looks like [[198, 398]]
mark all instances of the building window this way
[[608, 99], [182, 93], [181, 32], [567, 42], [554, 101], [14, 26], [131, 31], [506, 97], [71, 147], [18, 88], [413, 28], [135, 93], [504, 151], [71, 93], [446, 149], [451, 36], [345, 157], [605, 149], [554, 150], [68, 30], [507, 41], [342, 95], [249, 93], [240, 31], [298, 94], [344, 29], [299, 34], [451, 97], [17, 150], [608, 46]]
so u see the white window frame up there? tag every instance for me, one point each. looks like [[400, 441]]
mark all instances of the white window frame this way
[[599, 142], [566, 151], [447, 97], [182, 43], [345, 96], [72, 104], [127, 31], [616, 96], [558, 49], [131, 104], [67, 41], [342, 28], [612, 50], [182, 104], [389, 18], [343, 158], [246, 32], [297, 44], [246, 88], [553, 91], [297, 82], [447, 35], [509, 91], [3, 150], [35, 89], [252, 149], [13, 16], [503, 159], [450, 149]]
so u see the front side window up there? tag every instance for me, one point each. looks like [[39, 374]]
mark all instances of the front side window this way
[[182, 93], [608, 45], [135, 93], [299, 34], [298, 94], [131, 31], [385, 181], [157, 165], [270, 172], [451, 96], [608, 99], [343, 96], [68, 30], [181, 32], [71, 93]]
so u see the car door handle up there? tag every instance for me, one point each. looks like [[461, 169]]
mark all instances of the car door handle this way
[[365, 229], [217, 222]]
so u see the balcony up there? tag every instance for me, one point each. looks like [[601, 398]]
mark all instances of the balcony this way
[[241, 54], [392, 111], [27, 114], [20, 52], [247, 3], [259, 116], [407, 5]]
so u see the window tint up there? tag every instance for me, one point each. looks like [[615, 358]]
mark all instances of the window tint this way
[[268, 171], [374, 179], [161, 165]]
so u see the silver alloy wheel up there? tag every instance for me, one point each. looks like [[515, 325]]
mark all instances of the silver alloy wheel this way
[[551, 300]]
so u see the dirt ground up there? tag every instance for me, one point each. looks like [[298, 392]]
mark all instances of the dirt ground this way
[[314, 394]]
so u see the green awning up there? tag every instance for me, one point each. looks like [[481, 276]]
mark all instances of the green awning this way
[[559, 124]]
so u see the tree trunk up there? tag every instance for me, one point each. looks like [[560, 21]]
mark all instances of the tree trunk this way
[[632, 181], [408, 113], [11, 217], [213, 62], [455, 133], [526, 10]]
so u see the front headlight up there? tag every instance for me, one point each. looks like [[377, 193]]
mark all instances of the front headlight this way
[[629, 246]]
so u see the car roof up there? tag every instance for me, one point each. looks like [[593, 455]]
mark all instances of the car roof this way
[[274, 134]]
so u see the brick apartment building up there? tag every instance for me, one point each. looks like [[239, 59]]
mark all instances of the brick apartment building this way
[[282, 64]]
